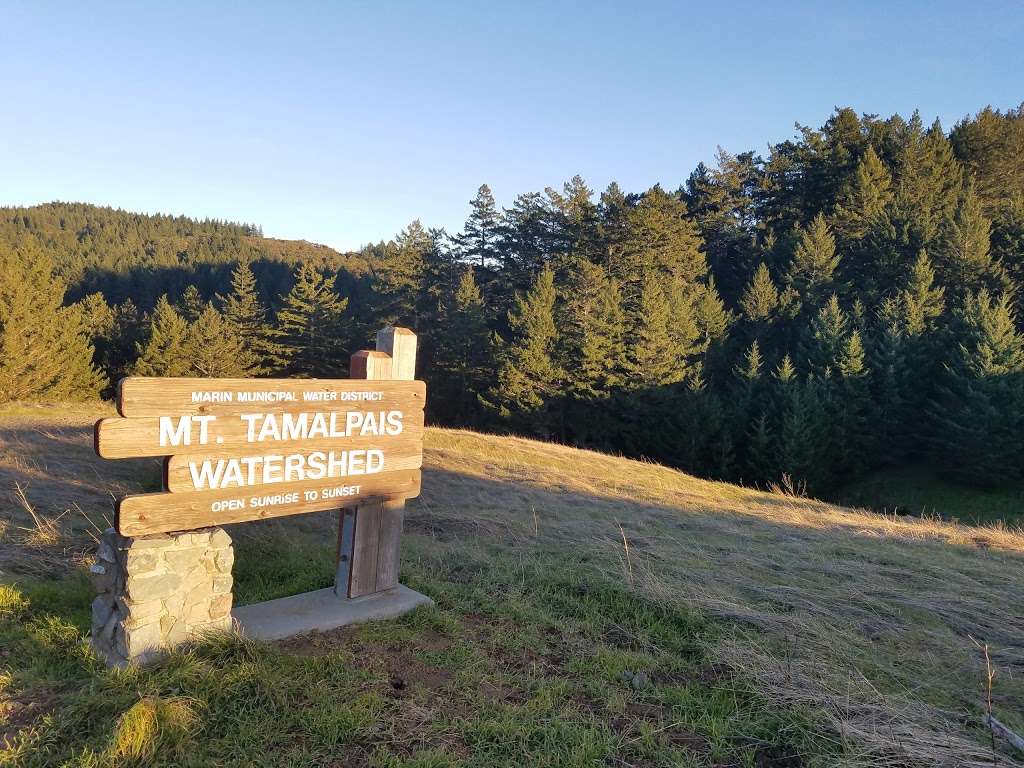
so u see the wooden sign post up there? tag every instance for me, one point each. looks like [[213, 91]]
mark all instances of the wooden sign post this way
[[253, 449]]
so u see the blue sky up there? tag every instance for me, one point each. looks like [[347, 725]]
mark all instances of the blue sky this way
[[341, 122]]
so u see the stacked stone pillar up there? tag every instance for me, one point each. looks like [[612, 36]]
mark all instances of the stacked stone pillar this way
[[158, 592]]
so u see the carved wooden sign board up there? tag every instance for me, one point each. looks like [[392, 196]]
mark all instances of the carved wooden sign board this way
[[251, 449]]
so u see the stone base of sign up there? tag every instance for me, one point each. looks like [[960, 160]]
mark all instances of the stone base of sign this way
[[321, 611], [158, 592]]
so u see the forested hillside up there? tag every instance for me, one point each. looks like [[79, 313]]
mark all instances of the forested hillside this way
[[846, 301]]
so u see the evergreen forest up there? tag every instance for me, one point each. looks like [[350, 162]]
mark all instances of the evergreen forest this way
[[851, 299]]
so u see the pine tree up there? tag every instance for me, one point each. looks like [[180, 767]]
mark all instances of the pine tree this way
[[865, 200], [165, 351], [854, 411], [248, 320], [929, 184], [529, 374], [216, 349], [661, 239], [812, 270], [594, 333], [463, 351], [477, 241], [803, 432], [45, 350], [965, 258], [191, 305], [922, 300], [398, 277], [660, 340], [825, 337], [977, 416], [891, 384], [310, 325], [574, 230]]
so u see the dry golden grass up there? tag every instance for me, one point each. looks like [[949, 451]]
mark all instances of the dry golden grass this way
[[867, 619], [151, 723], [864, 618]]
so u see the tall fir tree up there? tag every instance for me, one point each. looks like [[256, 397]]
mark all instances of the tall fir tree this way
[[216, 347], [310, 325], [45, 349], [594, 336], [964, 250], [529, 375], [462, 353], [248, 319], [166, 350], [478, 239], [812, 270], [977, 415]]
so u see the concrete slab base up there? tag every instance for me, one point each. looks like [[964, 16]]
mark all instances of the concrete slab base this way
[[320, 611]]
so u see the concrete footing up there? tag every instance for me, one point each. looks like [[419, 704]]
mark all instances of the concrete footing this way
[[321, 611]]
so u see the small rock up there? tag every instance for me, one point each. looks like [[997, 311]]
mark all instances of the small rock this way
[[106, 552]]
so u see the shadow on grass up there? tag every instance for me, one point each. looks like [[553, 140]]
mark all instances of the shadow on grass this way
[[533, 620], [532, 660]]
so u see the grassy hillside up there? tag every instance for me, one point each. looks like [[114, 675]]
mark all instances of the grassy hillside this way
[[590, 611]]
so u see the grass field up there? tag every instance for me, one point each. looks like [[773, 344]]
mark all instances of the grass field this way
[[921, 491], [590, 611]]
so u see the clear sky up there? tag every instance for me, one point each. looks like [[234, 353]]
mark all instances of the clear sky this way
[[341, 122]]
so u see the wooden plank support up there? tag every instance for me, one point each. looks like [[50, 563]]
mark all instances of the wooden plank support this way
[[378, 523]]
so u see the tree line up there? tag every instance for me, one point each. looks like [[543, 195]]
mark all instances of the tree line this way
[[846, 302]]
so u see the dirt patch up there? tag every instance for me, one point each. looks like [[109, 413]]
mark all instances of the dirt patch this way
[[20, 712], [776, 757], [498, 693], [707, 675]]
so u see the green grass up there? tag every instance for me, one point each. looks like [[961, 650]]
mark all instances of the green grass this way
[[920, 491], [524, 661]]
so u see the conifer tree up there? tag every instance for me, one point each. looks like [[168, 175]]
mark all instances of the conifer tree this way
[[166, 350], [529, 374], [463, 351], [310, 325], [217, 349], [854, 411], [966, 261], [826, 335], [865, 200], [191, 305], [930, 181], [45, 350], [574, 223], [760, 300], [399, 275], [248, 320], [923, 301], [594, 333], [812, 270], [660, 238], [803, 431], [477, 241], [978, 415], [656, 352]]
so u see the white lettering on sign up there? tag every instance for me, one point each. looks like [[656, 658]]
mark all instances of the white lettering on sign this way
[[273, 499], [269, 396], [261, 427], [214, 474], [182, 433]]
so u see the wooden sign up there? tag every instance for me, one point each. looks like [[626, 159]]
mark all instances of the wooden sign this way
[[250, 449]]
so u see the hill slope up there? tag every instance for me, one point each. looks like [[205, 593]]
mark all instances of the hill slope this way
[[772, 628]]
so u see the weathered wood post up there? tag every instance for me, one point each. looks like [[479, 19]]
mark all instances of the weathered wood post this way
[[254, 449], [370, 534]]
